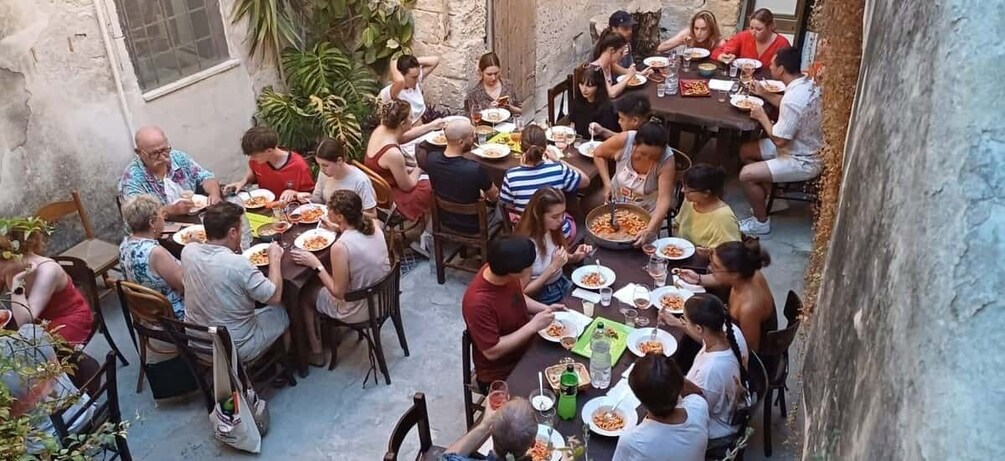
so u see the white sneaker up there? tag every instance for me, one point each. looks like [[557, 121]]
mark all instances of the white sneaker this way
[[751, 226]]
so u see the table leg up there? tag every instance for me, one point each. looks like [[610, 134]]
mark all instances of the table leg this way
[[291, 300]]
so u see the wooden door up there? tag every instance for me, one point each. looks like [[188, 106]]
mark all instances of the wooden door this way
[[512, 39], [791, 16]]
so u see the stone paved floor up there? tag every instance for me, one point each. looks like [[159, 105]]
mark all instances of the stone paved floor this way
[[330, 416]]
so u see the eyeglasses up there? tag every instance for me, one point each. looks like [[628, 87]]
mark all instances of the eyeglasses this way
[[162, 152]]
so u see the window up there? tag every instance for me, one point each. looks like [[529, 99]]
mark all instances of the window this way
[[172, 39]]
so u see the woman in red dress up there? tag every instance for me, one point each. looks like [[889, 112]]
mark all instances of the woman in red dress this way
[[409, 187], [759, 41], [40, 289]]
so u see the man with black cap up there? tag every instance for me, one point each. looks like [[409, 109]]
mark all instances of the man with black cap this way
[[498, 314], [623, 23]]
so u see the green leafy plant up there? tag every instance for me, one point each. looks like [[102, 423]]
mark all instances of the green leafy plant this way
[[22, 229], [376, 30], [273, 24], [330, 94]]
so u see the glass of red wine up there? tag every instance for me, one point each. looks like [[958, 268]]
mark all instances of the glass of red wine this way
[[498, 394]]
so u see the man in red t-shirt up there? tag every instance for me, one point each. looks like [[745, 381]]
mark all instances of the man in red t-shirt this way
[[281, 171], [497, 313]]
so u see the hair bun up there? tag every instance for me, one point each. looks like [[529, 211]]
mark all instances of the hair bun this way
[[755, 253]]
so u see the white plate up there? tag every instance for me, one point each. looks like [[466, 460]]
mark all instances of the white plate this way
[[505, 127], [432, 135], [697, 53], [328, 235], [630, 415], [685, 245], [639, 77], [656, 295], [583, 148], [177, 237], [451, 118], [736, 98], [491, 151], [255, 249], [549, 132], [643, 334], [739, 63], [495, 115], [582, 271], [310, 206], [651, 61], [267, 194], [773, 86], [572, 327]]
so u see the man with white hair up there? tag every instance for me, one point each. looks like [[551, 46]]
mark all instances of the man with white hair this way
[[165, 173], [513, 429], [459, 179]]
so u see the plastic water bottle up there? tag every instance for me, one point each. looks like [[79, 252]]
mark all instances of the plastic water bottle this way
[[600, 358]]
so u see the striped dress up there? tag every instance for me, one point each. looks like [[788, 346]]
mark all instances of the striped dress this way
[[521, 182]]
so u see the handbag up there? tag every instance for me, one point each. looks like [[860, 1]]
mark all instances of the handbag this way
[[240, 417]]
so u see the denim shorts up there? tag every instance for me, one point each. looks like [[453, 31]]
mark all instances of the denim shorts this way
[[554, 291]]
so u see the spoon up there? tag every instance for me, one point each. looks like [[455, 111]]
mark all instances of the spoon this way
[[620, 399]]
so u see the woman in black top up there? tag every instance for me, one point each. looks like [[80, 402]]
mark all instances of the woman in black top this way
[[591, 103]]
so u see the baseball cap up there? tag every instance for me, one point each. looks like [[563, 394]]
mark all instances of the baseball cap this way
[[511, 255], [621, 18]]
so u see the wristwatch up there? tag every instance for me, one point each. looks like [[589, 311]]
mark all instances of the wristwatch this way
[[320, 268], [19, 290]]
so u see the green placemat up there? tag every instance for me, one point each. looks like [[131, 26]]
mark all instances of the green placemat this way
[[504, 138], [257, 220], [618, 345]]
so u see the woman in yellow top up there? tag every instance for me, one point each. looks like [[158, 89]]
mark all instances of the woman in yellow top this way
[[704, 219]]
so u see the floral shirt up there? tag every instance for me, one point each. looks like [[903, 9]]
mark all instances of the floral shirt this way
[[456, 457], [183, 171], [134, 255], [479, 99]]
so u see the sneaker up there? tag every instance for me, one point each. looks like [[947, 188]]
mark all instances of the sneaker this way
[[751, 226]]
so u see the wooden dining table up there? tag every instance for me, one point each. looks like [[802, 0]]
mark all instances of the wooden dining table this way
[[628, 267], [295, 280]]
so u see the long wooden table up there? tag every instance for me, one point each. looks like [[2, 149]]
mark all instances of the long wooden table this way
[[497, 168], [542, 353]]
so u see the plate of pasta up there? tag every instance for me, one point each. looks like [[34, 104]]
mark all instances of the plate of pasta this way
[[598, 414], [309, 213], [314, 240], [258, 254], [190, 234], [436, 138], [257, 198], [564, 325], [586, 149], [670, 298], [593, 277], [674, 248], [641, 342]]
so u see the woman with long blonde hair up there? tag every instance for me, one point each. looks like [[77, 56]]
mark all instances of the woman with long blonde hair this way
[[542, 224], [702, 33]]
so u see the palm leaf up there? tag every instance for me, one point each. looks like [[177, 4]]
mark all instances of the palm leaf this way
[[271, 25], [337, 122]]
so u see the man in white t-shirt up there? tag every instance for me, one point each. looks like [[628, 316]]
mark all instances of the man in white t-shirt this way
[[676, 425], [791, 152]]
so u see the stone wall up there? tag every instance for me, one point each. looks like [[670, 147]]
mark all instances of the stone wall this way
[[454, 30], [61, 125], [903, 358]]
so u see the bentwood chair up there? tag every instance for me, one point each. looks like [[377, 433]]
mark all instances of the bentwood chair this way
[[84, 279], [383, 301], [508, 213], [395, 225], [774, 353], [443, 235], [99, 255], [102, 408], [143, 308], [564, 91], [416, 417], [474, 399]]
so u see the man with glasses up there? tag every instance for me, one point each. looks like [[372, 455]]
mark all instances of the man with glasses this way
[[165, 173]]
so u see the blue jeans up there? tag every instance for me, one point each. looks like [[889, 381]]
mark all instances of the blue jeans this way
[[554, 291]]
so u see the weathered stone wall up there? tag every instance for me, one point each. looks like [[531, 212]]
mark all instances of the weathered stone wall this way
[[61, 126], [903, 358], [454, 30]]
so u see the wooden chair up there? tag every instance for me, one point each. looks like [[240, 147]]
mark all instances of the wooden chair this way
[[507, 210], [415, 417], [758, 389], [85, 281], [799, 191], [793, 309], [143, 308], [383, 303], [105, 405], [564, 90], [774, 353], [395, 225], [442, 234], [196, 347], [99, 255], [474, 400], [682, 163]]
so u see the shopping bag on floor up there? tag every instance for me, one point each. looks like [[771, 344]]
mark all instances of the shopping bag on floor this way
[[240, 418]]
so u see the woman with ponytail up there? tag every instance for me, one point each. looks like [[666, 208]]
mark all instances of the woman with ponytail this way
[[737, 266], [720, 367], [359, 259], [539, 169]]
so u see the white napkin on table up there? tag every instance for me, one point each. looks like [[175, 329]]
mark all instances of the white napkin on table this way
[[507, 127], [580, 319], [586, 295], [630, 402], [628, 371], [626, 293], [721, 85]]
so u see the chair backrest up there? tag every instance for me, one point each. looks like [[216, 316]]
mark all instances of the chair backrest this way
[[416, 416], [508, 211], [384, 297], [196, 348], [478, 209], [773, 351], [85, 280], [793, 307], [381, 188], [143, 308], [105, 404], [55, 211], [563, 90], [467, 378]]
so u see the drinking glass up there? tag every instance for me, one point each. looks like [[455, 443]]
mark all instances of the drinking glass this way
[[520, 123], [733, 70], [687, 61], [498, 394], [588, 308], [542, 400], [476, 117], [630, 316], [649, 247], [658, 271], [661, 90], [640, 296], [641, 321], [722, 95], [568, 342], [605, 296]]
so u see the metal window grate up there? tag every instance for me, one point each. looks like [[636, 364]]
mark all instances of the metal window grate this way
[[172, 39]]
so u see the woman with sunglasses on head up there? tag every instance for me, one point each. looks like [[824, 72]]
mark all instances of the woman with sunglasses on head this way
[[704, 219], [737, 266], [591, 105], [606, 54], [542, 223], [720, 368]]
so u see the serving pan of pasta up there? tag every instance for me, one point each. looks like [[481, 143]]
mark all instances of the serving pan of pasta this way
[[631, 219], [598, 414]]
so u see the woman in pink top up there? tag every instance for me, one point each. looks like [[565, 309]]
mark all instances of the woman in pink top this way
[[759, 41]]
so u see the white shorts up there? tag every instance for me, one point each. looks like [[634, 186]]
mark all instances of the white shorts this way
[[784, 167]]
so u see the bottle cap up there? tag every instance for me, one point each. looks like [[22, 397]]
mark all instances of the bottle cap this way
[[569, 367]]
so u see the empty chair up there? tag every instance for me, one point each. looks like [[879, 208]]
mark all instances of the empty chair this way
[[416, 417], [99, 255], [774, 352], [83, 277], [557, 113], [102, 408]]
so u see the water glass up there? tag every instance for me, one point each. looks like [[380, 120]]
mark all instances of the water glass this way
[[687, 62], [605, 296], [733, 70], [588, 308], [722, 95], [630, 316], [660, 90], [520, 123]]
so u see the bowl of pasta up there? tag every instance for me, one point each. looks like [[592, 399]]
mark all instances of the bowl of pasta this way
[[258, 254], [631, 220], [674, 248], [190, 234], [641, 342], [607, 421], [314, 240], [593, 277], [564, 325], [670, 298]]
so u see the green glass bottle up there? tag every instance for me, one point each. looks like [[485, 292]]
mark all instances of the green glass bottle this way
[[569, 383]]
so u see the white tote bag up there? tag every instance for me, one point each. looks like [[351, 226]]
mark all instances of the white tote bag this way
[[243, 427]]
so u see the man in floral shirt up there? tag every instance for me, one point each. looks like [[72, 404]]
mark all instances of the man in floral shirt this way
[[513, 429], [165, 173]]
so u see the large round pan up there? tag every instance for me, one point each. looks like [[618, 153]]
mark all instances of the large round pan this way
[[623, 241]]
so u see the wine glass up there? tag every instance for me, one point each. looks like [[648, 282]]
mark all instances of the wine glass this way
[[640, 296], [498, 394], [649, 247], [568, 342]]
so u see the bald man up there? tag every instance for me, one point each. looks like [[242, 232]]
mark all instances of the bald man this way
[[459, 179], [165, 173]]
